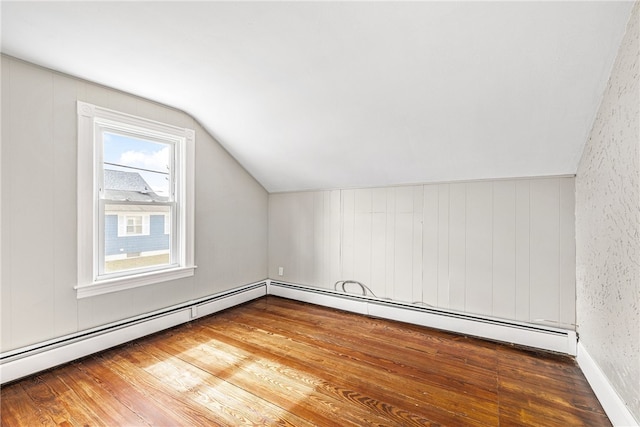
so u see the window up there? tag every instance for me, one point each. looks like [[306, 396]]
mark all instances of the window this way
[[135, 201], [131, 224], [134, 225]]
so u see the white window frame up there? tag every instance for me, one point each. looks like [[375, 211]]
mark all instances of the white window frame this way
[[91, 120]]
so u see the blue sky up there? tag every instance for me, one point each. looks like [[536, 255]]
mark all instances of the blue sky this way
[[139, 153]]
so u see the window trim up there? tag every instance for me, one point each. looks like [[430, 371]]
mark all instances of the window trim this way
[[89, 284]]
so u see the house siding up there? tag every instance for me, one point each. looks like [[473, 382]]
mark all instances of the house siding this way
[[155, 241]]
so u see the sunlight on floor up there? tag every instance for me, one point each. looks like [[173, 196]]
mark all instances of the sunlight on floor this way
[[229, 373]]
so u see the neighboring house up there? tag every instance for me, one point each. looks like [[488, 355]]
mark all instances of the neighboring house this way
[[134, 230]]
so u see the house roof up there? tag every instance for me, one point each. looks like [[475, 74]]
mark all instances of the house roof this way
[[335, 94], [129, 186]]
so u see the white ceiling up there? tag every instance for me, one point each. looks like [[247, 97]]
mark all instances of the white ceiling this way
[[317, 95]]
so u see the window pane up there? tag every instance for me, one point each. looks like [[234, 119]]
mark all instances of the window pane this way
[[134, 237], [134, 224], [136, 169]]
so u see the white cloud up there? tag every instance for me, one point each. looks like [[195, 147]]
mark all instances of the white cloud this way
[[158, 160]]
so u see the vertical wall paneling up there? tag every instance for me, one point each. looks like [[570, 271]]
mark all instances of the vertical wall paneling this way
[[231, 233], [457, 245], [417, 268], [31, 198], [500, 248], [522, 249], [362, 236], [430, 245], [348, 235], [6, 327], [403, 245], [303, 220], [98, 95], [390, 231], [479, 248], [102, 309], [567, 253], [319, 239], [333, 249], [443, 245], [39, 211], [65, 94], [504, 249], [278, 234], [378, 241], [306, 261], [544, 291]]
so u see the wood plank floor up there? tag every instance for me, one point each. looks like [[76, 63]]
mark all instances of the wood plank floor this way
[[279, 362]]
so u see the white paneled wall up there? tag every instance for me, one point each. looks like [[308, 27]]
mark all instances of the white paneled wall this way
[[39, 212], [501, 248]]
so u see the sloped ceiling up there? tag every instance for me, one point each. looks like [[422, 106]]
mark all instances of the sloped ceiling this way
[[317, 95]]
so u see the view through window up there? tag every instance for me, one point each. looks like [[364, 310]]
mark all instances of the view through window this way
[[138, 202]]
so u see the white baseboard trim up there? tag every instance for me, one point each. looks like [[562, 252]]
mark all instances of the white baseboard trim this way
[[616, 410], [25, 361], [537, 336]]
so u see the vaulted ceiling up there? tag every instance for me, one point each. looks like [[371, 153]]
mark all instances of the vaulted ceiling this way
[[317, 95]]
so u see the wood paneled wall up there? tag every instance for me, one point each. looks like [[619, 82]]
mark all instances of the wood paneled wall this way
[[501, 248]]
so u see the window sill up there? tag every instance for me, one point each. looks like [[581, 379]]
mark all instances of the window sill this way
[[134, 281]]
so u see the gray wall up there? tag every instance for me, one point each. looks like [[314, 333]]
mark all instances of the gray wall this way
[[608, 228], [39, 248], [502, 248]]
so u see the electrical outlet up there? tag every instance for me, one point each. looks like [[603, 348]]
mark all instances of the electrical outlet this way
[[280, 271]]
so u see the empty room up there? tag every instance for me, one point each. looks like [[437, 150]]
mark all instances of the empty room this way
[[331, 213]]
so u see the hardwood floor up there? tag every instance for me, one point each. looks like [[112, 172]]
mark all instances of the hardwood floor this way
[[279, 362]]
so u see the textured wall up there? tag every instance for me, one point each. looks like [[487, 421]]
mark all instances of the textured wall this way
[[607, 228], [39, 210]]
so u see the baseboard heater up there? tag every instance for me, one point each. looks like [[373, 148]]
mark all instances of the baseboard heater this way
[[25, 361], [513, 332]]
